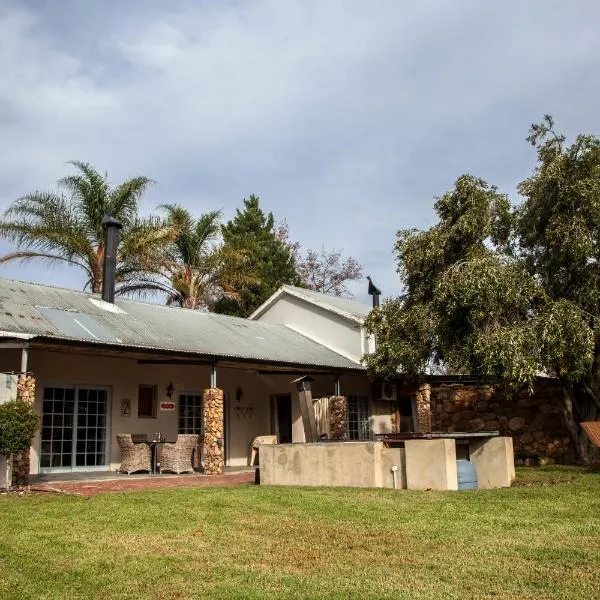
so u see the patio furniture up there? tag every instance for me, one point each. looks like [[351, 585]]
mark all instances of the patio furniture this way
[[177, 457], [135, 457], [256, 443], [592, 430]]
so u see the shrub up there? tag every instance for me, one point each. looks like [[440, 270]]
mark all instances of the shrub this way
[[18, 424]]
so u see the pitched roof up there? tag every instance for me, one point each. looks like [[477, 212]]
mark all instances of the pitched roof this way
[[344, 307], [29, 310]]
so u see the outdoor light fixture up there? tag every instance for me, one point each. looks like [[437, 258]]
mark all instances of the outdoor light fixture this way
[[238, 394], [170, 390]]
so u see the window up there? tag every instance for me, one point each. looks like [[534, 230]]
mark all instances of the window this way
[[147, 401], [190, 413], [359, 427]]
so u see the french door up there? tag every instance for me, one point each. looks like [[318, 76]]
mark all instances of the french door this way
[[75, 429]]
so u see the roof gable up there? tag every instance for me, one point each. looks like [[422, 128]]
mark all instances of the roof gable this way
[[345, 307]]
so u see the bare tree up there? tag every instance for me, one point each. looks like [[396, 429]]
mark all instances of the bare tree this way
[[324, 271]]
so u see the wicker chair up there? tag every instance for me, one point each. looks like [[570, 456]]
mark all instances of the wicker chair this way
[[177, 457], [135, 457]]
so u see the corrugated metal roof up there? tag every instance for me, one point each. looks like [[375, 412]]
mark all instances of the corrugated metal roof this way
[[46, 311]]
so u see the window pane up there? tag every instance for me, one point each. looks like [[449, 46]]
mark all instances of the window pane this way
[[190, 413], [358, 418]]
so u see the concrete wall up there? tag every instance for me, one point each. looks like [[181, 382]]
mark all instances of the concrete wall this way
[[420, 465], [347, 464], [323, 326]]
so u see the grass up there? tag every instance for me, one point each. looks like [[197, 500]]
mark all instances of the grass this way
[[539, 539]]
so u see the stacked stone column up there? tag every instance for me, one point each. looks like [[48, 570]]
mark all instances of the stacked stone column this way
[[21, 462], [214, 443], [423, 402], [338, 417]]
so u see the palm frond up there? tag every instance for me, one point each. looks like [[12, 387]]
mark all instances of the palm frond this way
[[46, 222], [89, 195], [26, 255], [124, 199]]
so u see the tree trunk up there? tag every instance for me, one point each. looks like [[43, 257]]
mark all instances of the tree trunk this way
[[578, 406]]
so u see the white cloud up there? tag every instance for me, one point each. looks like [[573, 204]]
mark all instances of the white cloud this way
[[346, 117]]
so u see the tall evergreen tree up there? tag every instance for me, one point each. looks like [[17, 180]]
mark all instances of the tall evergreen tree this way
[[254, 232]]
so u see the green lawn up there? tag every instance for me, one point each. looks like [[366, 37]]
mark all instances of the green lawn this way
[[540, 539]]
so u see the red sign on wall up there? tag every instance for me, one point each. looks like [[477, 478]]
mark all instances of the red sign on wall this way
[[167, 406]]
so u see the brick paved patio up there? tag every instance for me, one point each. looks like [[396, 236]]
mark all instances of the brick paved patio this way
[[138, 483]]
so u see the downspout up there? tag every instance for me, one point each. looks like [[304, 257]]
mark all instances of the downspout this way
[[24, 359]]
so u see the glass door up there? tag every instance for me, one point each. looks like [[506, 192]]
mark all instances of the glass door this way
[[191, 416], [74, 429]]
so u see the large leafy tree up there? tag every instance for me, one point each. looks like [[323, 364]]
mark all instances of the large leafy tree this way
[[503, 292], [254, 233], [66, 226], [196, 269]]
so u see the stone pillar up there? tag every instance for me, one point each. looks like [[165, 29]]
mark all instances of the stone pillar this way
[[338, 417], [423, 402], [214, 455], [21, 462], [26, 388]]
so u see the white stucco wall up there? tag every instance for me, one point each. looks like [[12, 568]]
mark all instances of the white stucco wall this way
[[246, 419], [323, 326]]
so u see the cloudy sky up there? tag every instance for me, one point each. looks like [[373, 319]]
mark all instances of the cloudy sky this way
[[345, 117]]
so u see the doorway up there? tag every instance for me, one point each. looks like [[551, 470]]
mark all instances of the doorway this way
[[282, 405], [405, 414], [74, 429]]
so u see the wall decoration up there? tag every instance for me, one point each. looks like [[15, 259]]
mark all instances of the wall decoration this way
[[167, 406], [125, 407], [244, 412]]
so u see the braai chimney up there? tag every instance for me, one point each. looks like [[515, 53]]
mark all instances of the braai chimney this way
[[375, 292], [111, 242]]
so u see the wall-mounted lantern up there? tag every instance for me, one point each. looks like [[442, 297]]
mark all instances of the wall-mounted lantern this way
[[170, 390]]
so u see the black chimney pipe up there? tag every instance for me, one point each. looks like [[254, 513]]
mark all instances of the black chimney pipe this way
[[111, 242], [375, 292]]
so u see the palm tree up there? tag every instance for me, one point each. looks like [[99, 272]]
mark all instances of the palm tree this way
[[67, 226], [197, 269]]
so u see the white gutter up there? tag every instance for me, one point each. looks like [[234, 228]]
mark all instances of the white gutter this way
[[19, 336]]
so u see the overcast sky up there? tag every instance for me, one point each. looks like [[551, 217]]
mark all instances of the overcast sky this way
[[346, 118]]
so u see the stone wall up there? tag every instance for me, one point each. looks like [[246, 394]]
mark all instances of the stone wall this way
[[21, 462], [214, 459], [533, 421]]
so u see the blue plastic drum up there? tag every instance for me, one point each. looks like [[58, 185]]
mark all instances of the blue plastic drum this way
[[467, 475]]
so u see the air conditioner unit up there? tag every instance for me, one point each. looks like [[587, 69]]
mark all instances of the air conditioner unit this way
[[388, 392]]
